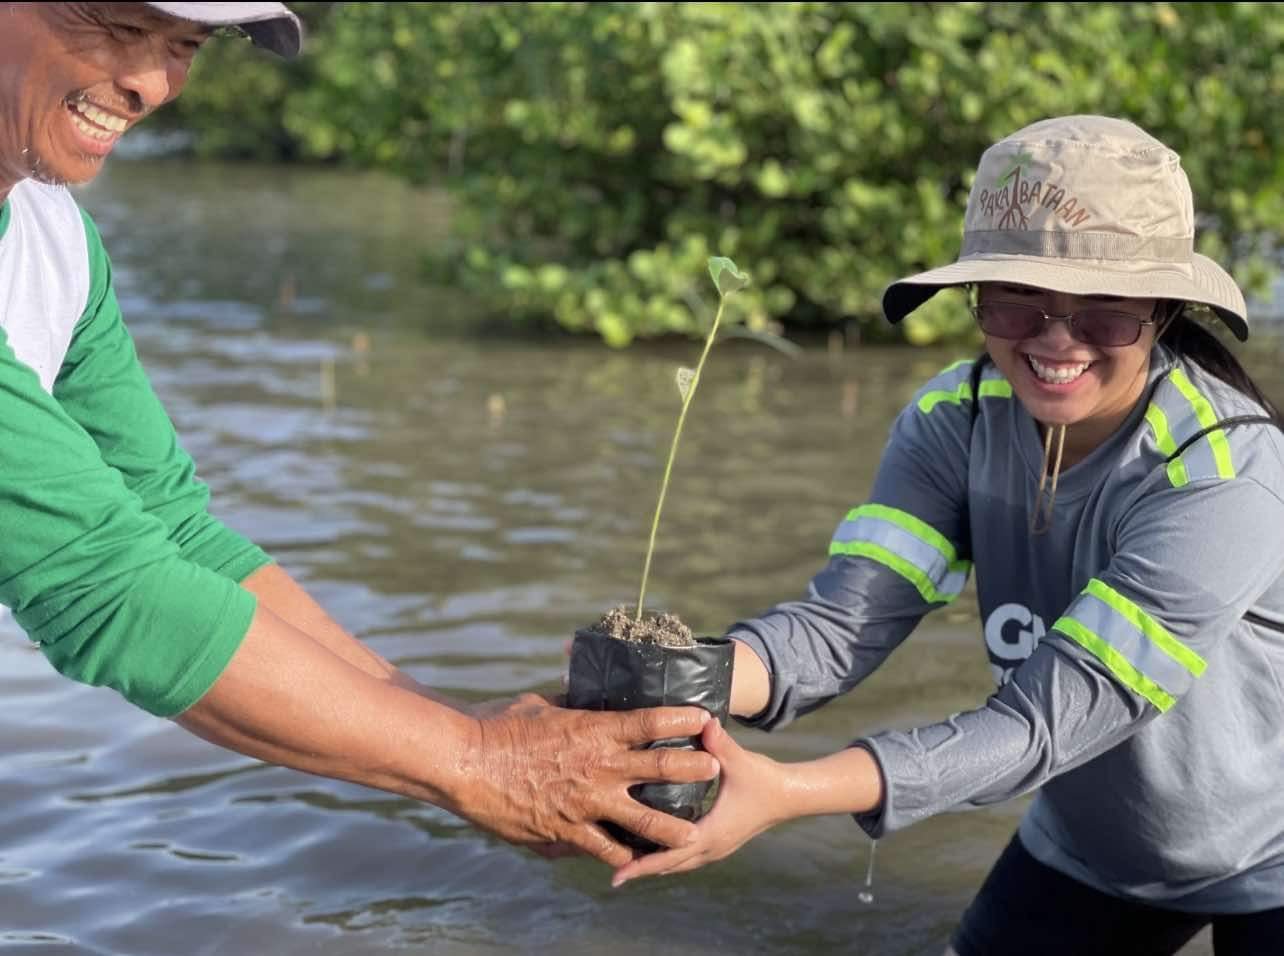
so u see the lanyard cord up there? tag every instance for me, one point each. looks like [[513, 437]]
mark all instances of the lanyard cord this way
[[1041, 520]]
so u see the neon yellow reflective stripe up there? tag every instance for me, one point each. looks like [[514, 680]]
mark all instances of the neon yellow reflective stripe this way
[[1207, 418], [990, 388], [905, 569], [953, 365], [906, 544], [1148, 626], [1159, 425], [1167, 445], [931, 399], [1177, 475], [1116, 663], [996, 388], [915, 526]]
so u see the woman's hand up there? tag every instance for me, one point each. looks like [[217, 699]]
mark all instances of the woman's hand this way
[[751, 799], [756, 793]]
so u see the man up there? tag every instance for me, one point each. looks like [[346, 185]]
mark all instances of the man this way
[[110, 560]]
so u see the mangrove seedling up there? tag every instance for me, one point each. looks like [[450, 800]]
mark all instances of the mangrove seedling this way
[[625, 662], [727, 279]]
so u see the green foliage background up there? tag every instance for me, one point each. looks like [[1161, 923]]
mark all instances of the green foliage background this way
[[599, 153]]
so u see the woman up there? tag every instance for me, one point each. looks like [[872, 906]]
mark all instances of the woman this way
[[1118, 482]]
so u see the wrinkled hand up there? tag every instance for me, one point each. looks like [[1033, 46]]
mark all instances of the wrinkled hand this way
[[750, 797], [542, 775], [497, 706]]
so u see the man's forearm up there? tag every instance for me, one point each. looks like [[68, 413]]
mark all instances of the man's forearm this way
[[532, 773], [285, 598], [288, 699]]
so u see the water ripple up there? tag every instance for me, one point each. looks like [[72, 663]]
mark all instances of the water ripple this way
[[462, 505]]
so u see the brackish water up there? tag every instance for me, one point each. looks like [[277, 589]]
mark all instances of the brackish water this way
[[462, 504]]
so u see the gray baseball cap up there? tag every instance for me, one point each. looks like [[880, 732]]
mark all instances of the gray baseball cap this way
[[270, 25]]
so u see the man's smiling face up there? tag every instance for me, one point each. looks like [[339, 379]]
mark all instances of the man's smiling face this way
[[75, 76]]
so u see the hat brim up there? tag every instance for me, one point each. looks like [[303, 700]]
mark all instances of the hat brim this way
[[1205, 282], [272, 26]]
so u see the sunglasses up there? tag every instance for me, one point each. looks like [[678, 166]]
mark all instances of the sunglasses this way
[[1104, 328]]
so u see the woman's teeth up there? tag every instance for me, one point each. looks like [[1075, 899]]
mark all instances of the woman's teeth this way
[[1056, 374], [102, 125]]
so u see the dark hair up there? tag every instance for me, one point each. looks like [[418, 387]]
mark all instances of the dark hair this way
[[1189, 338]]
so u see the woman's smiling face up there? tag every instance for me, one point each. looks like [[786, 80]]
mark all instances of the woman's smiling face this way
[[1063, 381]]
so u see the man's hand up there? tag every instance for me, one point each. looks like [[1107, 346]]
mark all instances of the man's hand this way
[[540, 774]]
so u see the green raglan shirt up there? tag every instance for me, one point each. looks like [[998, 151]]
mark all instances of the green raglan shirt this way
[[110, 560]]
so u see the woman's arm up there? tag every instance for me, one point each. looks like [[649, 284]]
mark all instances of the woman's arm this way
[[757, 793], [750, 682], [892, 560], [1129, 648]]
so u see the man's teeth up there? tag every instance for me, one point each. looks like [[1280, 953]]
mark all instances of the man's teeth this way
[[1057, 374], [105, 124]]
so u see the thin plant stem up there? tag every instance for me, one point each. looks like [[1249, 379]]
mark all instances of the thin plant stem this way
[[673, 452]]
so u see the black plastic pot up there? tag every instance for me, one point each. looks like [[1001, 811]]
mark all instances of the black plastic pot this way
[[611, 674]]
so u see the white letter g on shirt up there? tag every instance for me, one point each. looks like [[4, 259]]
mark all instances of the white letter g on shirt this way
[[1012, 632]]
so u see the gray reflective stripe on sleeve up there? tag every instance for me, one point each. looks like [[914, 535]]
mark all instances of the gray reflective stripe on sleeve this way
[[1175, 415], [905, 544], [1136, 648], [1142, 653]]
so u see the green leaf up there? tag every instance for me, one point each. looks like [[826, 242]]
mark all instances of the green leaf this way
[[1022, 161], [726, 277], [684, 378], [711, 107]]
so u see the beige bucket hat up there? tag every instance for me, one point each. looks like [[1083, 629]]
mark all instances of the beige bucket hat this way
[[1087, 205]]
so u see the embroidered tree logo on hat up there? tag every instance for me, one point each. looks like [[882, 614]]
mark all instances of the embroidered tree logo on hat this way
[[1010, 181]]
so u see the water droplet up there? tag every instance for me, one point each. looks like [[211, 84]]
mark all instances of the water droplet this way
[[865, 896]]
